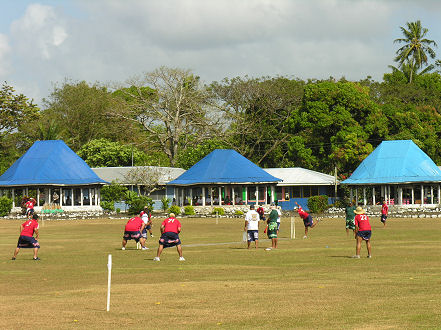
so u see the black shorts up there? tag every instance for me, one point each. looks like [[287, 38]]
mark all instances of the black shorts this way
[[27, 242], [169, 239], [365, 234], [308, 221], [128, 235], [383, 218]]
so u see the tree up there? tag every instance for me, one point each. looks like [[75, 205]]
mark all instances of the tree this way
[[257, 112], [83, 113], [334, 126], [172, 106], [16, 112], [413, 55], [147, 177], [191, 156]]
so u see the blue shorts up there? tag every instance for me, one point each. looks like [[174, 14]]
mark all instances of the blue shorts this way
[[253, 235], [365, 234], [27, 242], [128, 235], [308, 221], [383, 218], [148, 227], [169, 239], [278, 225]]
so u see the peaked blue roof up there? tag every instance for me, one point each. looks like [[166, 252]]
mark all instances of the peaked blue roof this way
[[398, 161], [49, 162], [224, 166]]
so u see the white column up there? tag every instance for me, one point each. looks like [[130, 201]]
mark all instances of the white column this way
[[191, 196], [246, 195], [413, 195], [257, 195], [356, 195], [439, 192], [203, 196], [364, 196], [38, 196], [422, 194], [431, 194], [373, 195], [233, 196], [400, 196], [13, 197], [273, 192], [81, 196], [220, 195], [61, 196]]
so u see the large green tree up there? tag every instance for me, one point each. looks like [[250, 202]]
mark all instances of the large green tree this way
[[16, 113], [257, 114], [414, 54], [337, 126], [81, 112]]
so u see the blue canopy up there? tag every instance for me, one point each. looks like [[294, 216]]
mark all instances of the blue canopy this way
[[49, 163], [398, 161], [224, 166]]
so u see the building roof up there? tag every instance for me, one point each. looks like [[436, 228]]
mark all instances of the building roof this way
[[123, 175], [49, 162], [224, 166], [297, 176], [400, 161]]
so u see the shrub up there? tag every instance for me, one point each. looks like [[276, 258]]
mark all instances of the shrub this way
[[189, 210], [238, 212], [107, 206], [118, 210], [318, 204], [218, 210], [136, 203], [174, 209], [165, 203], [5, 206], [113, 192]]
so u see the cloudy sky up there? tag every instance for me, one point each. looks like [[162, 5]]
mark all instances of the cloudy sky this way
[[44, 42]]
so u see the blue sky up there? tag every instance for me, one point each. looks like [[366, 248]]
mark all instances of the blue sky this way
[[43, 43]]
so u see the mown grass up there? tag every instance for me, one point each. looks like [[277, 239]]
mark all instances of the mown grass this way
[[312, 283]]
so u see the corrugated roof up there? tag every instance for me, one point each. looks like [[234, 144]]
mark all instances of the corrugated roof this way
[[400, 161], [297, 176], [122, 174], [49, 162], [224, 166]]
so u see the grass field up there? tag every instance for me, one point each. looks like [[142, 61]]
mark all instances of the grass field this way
[[310, 283]]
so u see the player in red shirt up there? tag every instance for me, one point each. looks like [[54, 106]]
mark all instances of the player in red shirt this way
[[384, 211], [146, 215], [30, 207], [26, 239], [170, 229], [133, 230], [362, 231], [307, 219]]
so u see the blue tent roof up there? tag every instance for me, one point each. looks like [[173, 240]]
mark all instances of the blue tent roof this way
[[223, 166], [398, 161], [49, 163]]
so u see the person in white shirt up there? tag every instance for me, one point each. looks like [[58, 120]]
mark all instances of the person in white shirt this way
[[278, 219], [252, 226]]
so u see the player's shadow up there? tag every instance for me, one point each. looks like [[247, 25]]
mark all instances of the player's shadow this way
[[341, 257]]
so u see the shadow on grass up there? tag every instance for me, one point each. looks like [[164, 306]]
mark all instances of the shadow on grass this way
[[350, 257]]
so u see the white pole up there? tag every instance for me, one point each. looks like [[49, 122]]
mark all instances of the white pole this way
[[293, 228], [109, 268]]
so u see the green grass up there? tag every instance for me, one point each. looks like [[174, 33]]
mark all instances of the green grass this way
[[310, 283]]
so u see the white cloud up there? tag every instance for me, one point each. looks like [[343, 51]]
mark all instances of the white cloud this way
[[5, 50], [38, 32]]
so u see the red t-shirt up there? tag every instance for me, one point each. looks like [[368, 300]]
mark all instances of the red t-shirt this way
[[134, 224], [362, 222], [384, 209], [29, 228], [30, 204], [148, 214], [171, 225], [302, 213]]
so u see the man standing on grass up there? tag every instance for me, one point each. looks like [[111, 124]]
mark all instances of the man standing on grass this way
[[26, 239], [252, 226], [307, 219], [146, 216], [170, 229], [272, 227], [350, 218], [363, 231], [384, 211], [133, 230]]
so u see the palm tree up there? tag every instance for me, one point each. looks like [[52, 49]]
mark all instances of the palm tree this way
[[413, 55]]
